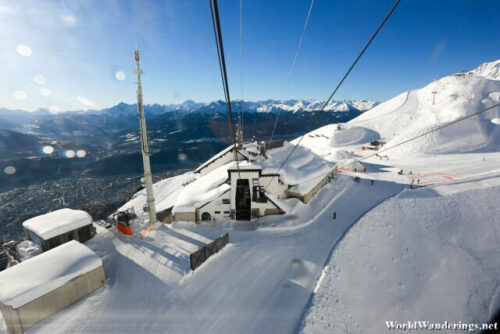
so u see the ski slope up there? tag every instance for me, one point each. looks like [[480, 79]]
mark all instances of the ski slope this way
[[428, 254]]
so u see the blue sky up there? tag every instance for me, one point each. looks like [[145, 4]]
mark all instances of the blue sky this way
[[66, 54]]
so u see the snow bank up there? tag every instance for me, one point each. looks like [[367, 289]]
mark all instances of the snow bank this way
[[57, 222], [418, 256], [27, 249], [41, 274], [353, 135]]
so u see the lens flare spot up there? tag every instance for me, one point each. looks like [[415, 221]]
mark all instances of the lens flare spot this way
[[9, 170], [120, 75], [19, 94], [24, 50], [69, 154], [44, 91], [182, 157], [81, 153], [48, 149], [39, 79]]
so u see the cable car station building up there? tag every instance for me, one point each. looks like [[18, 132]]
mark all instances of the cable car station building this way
[[225, 190]]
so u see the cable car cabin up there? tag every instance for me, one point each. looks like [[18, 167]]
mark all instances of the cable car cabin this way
[[58, 227], [243, 202], [123, 222]]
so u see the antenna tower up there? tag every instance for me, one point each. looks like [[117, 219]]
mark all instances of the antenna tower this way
[[148, 178]]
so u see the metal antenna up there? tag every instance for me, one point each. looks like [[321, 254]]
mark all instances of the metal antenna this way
[[148, 178]]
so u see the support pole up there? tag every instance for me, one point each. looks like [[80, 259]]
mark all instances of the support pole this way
[[148, 178]]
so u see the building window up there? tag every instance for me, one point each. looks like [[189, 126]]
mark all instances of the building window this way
[[217, 212], [259, 195], [226, 201], [226, 212], [205, 216]]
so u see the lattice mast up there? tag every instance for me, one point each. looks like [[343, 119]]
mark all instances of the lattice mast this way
[[148, 178]]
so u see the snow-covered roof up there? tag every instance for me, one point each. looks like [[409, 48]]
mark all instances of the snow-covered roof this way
[[46, 272], [218, 155], [57, 222], [204, 189], [306, 186], [302, 165], [244, 166]]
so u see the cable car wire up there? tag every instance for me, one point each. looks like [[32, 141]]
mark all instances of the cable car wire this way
[[315, 117], [214, 9], [292, 68], [425, 133]]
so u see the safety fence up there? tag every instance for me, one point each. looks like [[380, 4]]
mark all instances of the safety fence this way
[[201, 255]]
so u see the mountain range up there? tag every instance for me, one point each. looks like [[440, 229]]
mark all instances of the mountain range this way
[[110, 137]]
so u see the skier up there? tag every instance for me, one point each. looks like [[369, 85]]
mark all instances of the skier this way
[[371, 182], [334, 215]]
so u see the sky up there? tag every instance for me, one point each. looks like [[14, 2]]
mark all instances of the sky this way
[[78, 54]]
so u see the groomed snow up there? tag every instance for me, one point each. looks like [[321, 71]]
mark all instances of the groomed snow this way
[[57, 222], [441, 101], [41, 274], [428, 254]]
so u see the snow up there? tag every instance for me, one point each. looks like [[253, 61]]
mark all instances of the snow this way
[[57, 222], [307, 185], [392, 253], [203, 190], [422, 255], [260, 282], [218, 155], [413, 113], [312, 105], [303, 164], [489, 70], [27, 249], [41, 274], [165, 191]]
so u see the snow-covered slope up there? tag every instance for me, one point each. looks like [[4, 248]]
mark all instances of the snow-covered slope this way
[[428, 255], [414, 112], [390, 252]]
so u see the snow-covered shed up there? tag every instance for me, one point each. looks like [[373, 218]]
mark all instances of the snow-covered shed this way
[[41, 286], [55, 228]]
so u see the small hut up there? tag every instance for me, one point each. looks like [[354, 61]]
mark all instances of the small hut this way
[[58, 227], [41, 286]]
